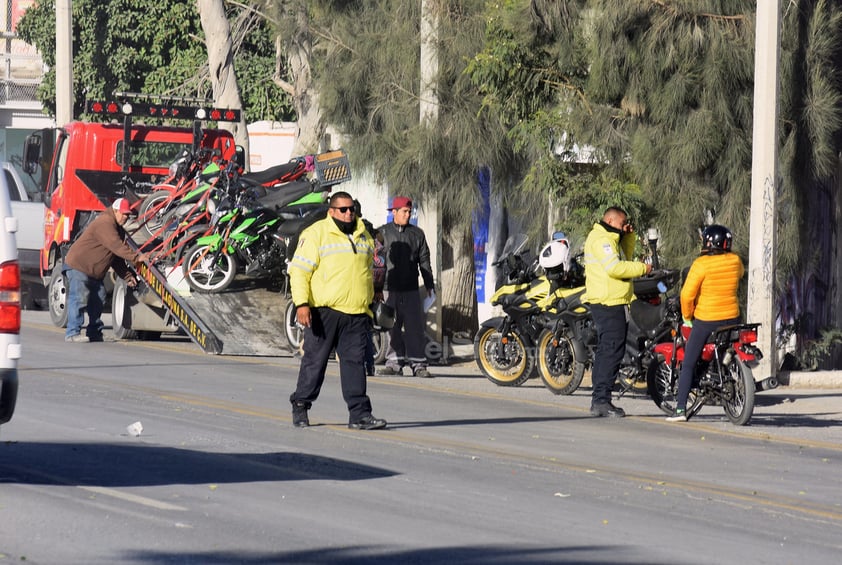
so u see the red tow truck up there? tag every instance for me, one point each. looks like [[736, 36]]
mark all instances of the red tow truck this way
[[93, 164]]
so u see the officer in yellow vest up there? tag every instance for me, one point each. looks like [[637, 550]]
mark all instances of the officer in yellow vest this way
[[609, 289], [332, 288]]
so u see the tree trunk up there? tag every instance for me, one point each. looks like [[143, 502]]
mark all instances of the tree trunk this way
[[305, 98], [458, 284], [226, 91]]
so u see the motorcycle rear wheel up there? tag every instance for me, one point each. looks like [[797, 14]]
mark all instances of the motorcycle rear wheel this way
[[208, 271], [662, 384], [738, 394], [512, 366], [628, 381], [153, 209], [560, 371]]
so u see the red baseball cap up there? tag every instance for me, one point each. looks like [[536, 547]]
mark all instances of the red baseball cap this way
[[122, 205], [400, 202]]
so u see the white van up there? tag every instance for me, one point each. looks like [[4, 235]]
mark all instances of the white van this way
[[9, 307]]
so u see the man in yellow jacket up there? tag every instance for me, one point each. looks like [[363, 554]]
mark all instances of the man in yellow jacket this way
[[332, 288], [609, 288]]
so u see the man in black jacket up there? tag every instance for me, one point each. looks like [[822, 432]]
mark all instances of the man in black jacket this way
[[406, 253]]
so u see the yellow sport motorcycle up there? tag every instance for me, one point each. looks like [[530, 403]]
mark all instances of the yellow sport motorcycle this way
[[504, 346]]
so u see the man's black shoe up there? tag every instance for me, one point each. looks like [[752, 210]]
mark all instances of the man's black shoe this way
[[299, 415], [368, 423], [603, 409]]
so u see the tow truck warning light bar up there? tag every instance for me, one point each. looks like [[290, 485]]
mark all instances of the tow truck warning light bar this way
[[171, 111]]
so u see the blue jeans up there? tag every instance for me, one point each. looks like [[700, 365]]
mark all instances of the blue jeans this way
[[84, 293]]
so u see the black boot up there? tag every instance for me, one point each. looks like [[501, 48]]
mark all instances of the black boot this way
[[299, 414]]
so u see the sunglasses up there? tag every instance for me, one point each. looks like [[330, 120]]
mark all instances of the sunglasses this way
[[344, 209]]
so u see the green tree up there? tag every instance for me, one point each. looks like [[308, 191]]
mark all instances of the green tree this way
[[155, 48], [662, 95], [367, 71]]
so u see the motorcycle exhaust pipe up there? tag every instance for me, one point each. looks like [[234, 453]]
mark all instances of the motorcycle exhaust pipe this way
[[766, 384]]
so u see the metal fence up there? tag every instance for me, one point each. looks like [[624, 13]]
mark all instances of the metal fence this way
[[21, 67]]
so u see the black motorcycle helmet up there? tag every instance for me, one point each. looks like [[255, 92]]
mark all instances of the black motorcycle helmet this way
[[716, 239]]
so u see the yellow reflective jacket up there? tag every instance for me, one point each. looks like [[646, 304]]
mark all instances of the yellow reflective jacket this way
[[608, 273], [333, 269], [710, 289]]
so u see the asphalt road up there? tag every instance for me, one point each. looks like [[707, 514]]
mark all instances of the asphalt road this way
[[467, 472]]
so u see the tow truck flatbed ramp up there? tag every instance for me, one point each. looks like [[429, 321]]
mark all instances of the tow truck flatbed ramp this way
[[247, 319], [246, 323]]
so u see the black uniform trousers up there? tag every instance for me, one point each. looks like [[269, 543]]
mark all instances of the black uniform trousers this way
[[611, 327], [347, 333]]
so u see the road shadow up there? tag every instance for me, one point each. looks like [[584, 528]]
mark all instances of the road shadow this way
[[790, 420], [380, 555], [487, 421], [124, 465]]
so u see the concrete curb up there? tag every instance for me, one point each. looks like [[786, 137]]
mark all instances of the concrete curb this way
[[810, 379]]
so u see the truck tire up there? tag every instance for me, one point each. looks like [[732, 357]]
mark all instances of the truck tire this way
[[120, 312], [57, 297], [121, 315]]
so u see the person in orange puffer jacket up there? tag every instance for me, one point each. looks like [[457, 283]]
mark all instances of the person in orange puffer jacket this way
[[708, 301]]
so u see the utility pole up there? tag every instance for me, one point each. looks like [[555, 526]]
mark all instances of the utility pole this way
[[64, 62], [429, 114], [764, 183]]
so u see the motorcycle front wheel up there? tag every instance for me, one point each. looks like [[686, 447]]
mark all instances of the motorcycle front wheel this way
[[293, 331], [208, 271], [560, 371], [381, 345], [504, 364], [738, 392]]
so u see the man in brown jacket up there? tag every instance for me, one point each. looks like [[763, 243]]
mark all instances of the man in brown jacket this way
[[100, 247]]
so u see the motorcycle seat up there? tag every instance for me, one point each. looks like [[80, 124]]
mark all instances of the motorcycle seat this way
[[277, 198], [294, 226], [279, 173], [300, 210]]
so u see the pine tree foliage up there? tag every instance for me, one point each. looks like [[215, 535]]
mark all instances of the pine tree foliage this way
[[369, 87], [530, 72], [663, 100], [678, 79]]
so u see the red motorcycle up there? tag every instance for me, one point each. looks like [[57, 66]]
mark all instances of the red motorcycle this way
[[721, 377]]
